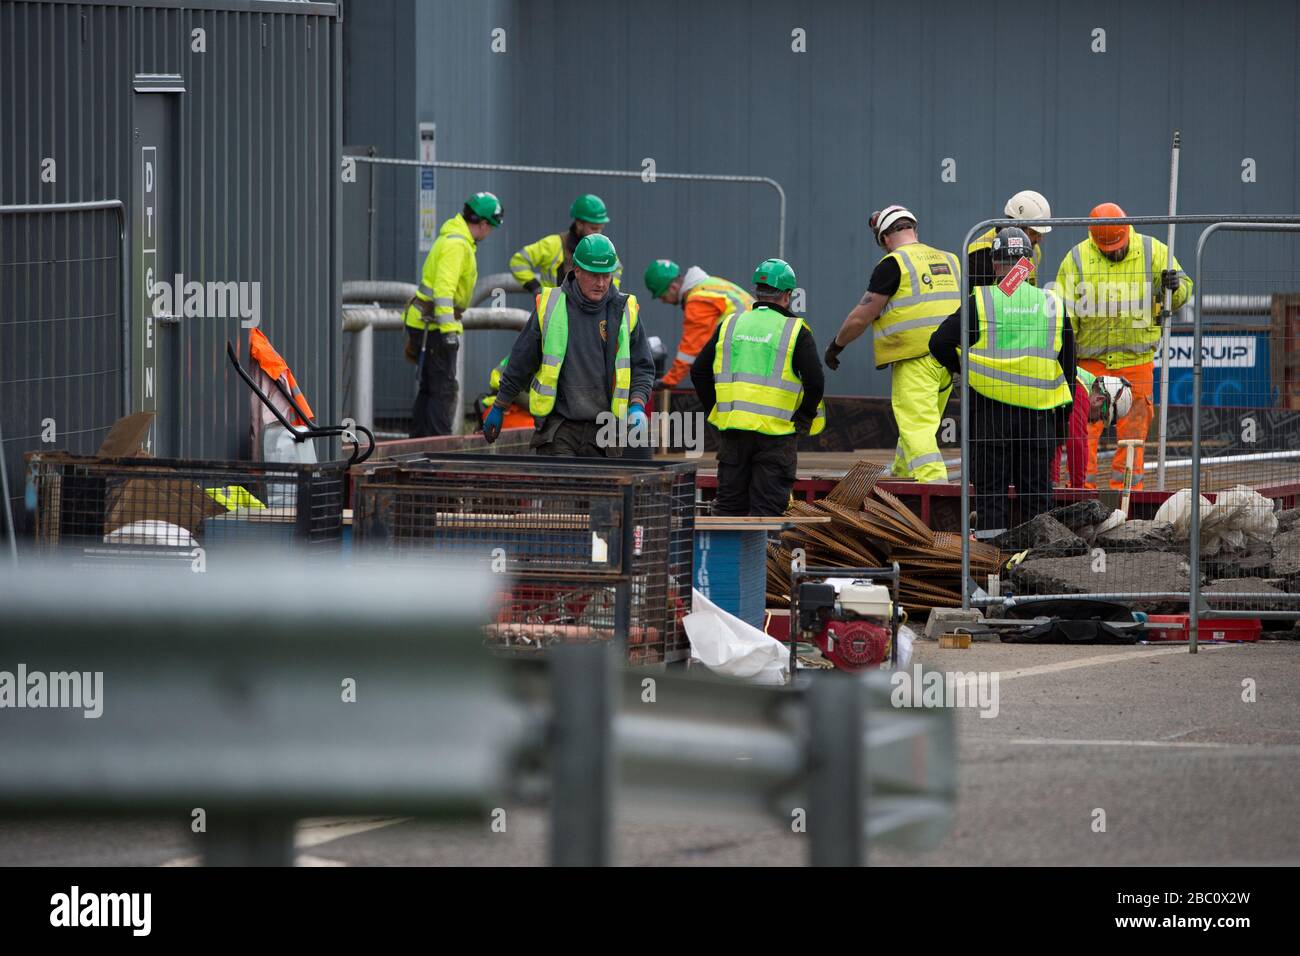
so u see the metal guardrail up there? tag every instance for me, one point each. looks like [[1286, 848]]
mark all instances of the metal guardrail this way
[[229, 692], [371, 305]]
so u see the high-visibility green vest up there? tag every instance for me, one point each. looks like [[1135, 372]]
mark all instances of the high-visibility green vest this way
[[985, 241], [1086, 377], [929, 290], [1014, 360], [757, 389], [553, 314]]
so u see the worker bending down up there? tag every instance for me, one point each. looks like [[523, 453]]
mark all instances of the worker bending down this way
[[1097, 398], [1020, 367], [705, 300], [761, 383], [583, 356]]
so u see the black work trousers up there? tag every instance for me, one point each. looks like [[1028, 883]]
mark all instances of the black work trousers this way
[[1012, 446], [755, 473], [560, 436], [435, 409]]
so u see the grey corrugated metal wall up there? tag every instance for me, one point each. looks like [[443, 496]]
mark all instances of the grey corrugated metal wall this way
[[882, 96], [255, 146]]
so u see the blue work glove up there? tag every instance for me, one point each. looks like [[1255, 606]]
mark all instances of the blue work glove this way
[[492, 424], [636, 417]]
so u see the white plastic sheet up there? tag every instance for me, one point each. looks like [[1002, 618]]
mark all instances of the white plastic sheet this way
[[730, 647], [1237, 517]]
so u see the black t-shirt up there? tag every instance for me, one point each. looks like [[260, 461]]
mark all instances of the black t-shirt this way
[[886, 277]]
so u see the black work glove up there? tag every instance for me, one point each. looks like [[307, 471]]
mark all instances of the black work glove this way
[[833, 355], [802, 425], [1169, 280], [532, 286]]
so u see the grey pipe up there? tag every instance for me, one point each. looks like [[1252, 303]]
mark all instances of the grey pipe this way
[[616, 173]]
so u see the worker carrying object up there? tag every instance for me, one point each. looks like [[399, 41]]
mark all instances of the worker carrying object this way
[[1020, 369], [433, 314], [584, 359], [1113, 284], [705, 300], [911, 290], [761, 383], [545, 263], [1097, 398], [1026, 205], [516, 415]]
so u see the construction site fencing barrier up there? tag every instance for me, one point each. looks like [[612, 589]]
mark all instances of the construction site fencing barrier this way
[[235, 703], [1227, 438], [64, 335]]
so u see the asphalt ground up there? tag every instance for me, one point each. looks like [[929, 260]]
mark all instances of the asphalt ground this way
[[1160, 741]]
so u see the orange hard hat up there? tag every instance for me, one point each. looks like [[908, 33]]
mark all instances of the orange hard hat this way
[[1108, 238]]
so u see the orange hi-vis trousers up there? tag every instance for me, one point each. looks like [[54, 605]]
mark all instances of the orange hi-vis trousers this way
[[1136, 424]]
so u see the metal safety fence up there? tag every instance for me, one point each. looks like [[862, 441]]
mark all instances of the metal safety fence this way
[[1088, 485], [64, 335], [240, 701]]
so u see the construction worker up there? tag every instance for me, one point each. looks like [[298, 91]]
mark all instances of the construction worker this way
[[545, 262], [516, 414], [433, 314], [583, 358], [1026, 205], [1113, 285], [705, 300], [1097, 398], [912, 289], [1020, 368], [759, 379]]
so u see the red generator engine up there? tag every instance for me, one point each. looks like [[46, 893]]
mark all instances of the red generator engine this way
[[849, 621]]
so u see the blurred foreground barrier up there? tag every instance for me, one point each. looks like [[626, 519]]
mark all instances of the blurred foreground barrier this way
[[252, 698]]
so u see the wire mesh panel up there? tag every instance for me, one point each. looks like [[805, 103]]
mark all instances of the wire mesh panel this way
[[61, 350], [586, 547], [162, 511]]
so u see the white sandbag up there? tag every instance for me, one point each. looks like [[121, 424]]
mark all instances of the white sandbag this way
[[151, 532], [1177, 511], [906, 638], [729, 646]]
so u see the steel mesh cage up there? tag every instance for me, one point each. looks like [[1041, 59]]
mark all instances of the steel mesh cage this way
[[150, 510], [580, 543]]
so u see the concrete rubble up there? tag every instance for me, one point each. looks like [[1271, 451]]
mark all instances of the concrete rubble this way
[[1139, 535], [1046, 536]]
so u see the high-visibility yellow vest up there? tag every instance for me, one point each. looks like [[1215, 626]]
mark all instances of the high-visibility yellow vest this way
[[553, 314], [1114, 304], [446, 281], [1084, 376], [730, 298], [494, 382], [929, 290], [1014, 360], [546, 261], [757, 389], [985, 241]]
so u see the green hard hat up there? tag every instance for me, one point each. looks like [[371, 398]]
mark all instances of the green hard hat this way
[[595, 253], [775, 273], [589, 208], [486, 206], [659, 275]]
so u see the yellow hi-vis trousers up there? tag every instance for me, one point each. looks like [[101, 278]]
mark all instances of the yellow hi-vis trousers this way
[[919, 393]]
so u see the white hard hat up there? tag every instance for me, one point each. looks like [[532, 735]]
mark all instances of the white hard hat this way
[[882, 220], [1028, 204], [1119, 397]]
